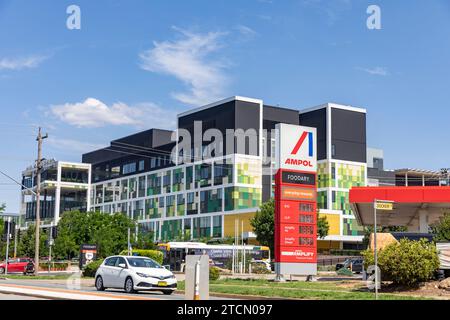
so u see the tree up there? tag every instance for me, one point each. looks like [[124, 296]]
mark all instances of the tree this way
[[264, 225], [145, 241], [26, 243], [441, 229], [322, 226], [108, 232]]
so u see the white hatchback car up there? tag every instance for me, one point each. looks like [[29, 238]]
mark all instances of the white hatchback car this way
[[134, 274]]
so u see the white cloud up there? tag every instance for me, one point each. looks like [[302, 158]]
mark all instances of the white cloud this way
[[246, 31], [73, 146], [189, 60], [93, 113], [376, 71], [20, 63]]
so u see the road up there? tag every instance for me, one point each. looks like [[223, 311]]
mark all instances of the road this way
[[84, 289], [17, 297]]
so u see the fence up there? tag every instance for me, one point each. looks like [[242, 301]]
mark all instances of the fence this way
[[332, 260]]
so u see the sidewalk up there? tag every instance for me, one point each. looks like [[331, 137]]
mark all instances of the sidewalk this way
[[63, 294]]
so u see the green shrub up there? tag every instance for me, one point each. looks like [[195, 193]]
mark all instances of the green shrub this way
[[406, 262], [59, 266], [214, 273], [91, 268], [152, 254]]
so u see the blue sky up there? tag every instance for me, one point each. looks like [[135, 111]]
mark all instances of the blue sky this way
[[136, 64]]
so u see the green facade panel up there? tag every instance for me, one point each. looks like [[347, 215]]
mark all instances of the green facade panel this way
[[237, 198]]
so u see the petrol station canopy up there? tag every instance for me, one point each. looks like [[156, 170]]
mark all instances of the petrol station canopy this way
[[414, 207]]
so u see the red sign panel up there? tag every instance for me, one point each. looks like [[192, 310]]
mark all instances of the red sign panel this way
[[295, 217], [298, 255]]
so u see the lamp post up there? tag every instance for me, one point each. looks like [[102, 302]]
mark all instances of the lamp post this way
[[8, 229]]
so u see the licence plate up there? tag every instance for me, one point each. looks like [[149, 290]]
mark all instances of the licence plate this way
[[162, 284]]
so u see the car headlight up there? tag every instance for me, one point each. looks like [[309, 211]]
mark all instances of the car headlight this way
[[142, 275]]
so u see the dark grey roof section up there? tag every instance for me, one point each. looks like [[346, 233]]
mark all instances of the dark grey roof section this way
[[152, 138], [273, 115], [145, 140]]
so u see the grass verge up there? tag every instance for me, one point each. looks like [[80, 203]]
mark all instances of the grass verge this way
[[38, 277], [335, 290]]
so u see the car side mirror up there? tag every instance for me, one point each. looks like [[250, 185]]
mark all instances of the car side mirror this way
[[122, 265]]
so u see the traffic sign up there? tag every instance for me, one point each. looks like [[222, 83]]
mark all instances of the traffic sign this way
[[385, 206]]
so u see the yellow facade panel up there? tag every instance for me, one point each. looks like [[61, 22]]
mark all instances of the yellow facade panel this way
[[229, 221], [334, 221]]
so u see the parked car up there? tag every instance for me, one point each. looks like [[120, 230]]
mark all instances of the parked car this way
[[16, 265], [354, 264], [134, 274]]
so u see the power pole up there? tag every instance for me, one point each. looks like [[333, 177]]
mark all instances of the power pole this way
[[39, 139]]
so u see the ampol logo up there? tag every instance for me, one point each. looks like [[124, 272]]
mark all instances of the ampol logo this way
[[301, 141], [298, 145]]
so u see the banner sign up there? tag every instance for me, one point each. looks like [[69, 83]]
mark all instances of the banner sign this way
[[296, 201], [88, 254], [298, 178]]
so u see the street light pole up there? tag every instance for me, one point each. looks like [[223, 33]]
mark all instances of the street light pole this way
[[8, 229], [15, 240], [128, 242], [39, 139], [375, 254]]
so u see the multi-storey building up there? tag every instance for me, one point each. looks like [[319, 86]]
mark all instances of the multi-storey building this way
[[192, 190], [204, 197], [379, 176], [342, 156], [65, 187]]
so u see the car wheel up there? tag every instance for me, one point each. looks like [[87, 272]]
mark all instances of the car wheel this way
[[167, 293], [129, 286], [99, 284], [2, 270]]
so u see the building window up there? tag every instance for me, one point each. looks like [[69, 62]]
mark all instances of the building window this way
[[97, 171], [217, 226], [129, 168], [115, 171], [141, 165], [153, 163], [141, 192], [191, 197]]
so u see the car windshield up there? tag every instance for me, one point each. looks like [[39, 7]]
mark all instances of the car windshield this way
[[143, 263]]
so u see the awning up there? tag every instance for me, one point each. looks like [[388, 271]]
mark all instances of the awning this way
[[409, 203]]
